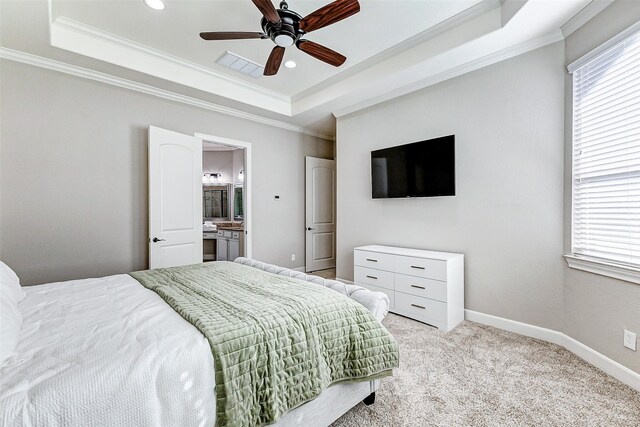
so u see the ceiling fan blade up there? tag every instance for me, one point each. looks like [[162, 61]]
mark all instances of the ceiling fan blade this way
[[231, 35], [322, 53], [329, 14], [268, 10], [273, 63]]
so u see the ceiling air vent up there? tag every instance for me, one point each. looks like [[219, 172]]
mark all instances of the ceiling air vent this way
[[241, 65]]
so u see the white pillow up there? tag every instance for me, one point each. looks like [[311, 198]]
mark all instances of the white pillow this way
[[10, 324], [10, 283]]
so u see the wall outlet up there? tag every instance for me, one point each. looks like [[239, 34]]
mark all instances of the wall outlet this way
[[293, 257], [630, 340]]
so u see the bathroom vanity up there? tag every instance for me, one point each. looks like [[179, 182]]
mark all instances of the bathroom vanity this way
[[223, 204], [230, 243], [225, 244]]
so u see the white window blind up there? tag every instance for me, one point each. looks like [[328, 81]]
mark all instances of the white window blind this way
[[606, 155]]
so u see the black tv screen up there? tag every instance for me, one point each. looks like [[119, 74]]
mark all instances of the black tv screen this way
[[421, 169]]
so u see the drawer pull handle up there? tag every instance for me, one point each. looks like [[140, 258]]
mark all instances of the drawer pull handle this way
[[372, 260], [416, 286], [417, 306], [372, 277], [417, 267]]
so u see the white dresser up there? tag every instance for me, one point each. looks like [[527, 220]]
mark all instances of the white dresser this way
[[424, 285]]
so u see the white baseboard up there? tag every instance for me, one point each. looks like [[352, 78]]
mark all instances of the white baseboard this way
[[600, 361], [348, 282], [303, 269], [514, 326]]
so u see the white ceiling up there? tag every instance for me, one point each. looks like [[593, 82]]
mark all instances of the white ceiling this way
[[379, 25], [393, 47]]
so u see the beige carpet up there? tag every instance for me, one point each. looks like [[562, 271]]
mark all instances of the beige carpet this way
[[481, 376], [329, 273]]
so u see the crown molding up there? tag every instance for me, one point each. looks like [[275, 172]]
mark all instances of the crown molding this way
[[83, 39], [429, 34], [50, 64], [459, 70], [584, 16]]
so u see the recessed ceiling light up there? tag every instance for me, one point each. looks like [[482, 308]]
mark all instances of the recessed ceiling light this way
[[290, 64], [155, 4]]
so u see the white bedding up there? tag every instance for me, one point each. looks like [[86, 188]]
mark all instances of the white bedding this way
[[110, 353]]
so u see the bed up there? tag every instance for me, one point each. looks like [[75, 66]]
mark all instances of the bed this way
[[109, 351]]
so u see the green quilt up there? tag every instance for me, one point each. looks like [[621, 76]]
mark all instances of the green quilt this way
[[277, 342]]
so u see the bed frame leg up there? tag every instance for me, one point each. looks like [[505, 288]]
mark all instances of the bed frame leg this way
[[370, 400]]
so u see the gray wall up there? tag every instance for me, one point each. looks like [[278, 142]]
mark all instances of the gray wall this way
[[219, 162], [597, 308], [507, 214], [73, 180], [238, 165]]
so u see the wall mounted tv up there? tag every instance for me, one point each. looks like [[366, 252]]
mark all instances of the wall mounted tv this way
[[421, 169]]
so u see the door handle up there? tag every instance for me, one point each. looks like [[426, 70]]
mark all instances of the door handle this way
[[156, 240], [309, 228]]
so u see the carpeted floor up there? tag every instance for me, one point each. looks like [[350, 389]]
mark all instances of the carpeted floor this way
[[477, 375], [329, 273]]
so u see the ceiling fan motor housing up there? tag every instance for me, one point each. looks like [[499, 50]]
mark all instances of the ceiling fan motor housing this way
[[285, 33]]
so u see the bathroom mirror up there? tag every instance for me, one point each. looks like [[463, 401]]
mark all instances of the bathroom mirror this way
[[215, 202], [238, 203]]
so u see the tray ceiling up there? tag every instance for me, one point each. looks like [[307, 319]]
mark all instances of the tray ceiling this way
[[393, 47], [380, 25]]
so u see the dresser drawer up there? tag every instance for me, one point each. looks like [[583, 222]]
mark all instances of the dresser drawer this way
[[422, 267], [388, 292], [422, 309], [419, 286], [370, 276], [375, 260]]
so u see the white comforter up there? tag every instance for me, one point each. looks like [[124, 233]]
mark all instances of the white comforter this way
[[106, 352]]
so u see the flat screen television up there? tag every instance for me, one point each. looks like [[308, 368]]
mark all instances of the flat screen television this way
[[421, 169]]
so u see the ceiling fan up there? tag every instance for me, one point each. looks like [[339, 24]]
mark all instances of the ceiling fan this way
[[285, 27]]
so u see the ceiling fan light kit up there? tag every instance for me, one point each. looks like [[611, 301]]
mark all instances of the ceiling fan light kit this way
[[286, 28]]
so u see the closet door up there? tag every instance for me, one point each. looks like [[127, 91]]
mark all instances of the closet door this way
[[320, 212], [175, 198]]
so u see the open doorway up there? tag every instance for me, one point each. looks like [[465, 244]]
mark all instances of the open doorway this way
[[225, 199]]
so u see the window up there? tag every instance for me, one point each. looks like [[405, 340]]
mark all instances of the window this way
[[606, 154]]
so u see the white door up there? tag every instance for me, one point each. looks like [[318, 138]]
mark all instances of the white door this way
[[175, 198], [320, 214]]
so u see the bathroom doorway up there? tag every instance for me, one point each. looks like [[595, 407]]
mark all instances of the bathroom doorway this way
[[226, 198]]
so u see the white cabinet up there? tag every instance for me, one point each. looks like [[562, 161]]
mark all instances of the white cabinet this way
[[424, 285], [234, 249], [222, 249], [230, 245]]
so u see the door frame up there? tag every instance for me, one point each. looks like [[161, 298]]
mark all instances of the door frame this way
[[248, 231]]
